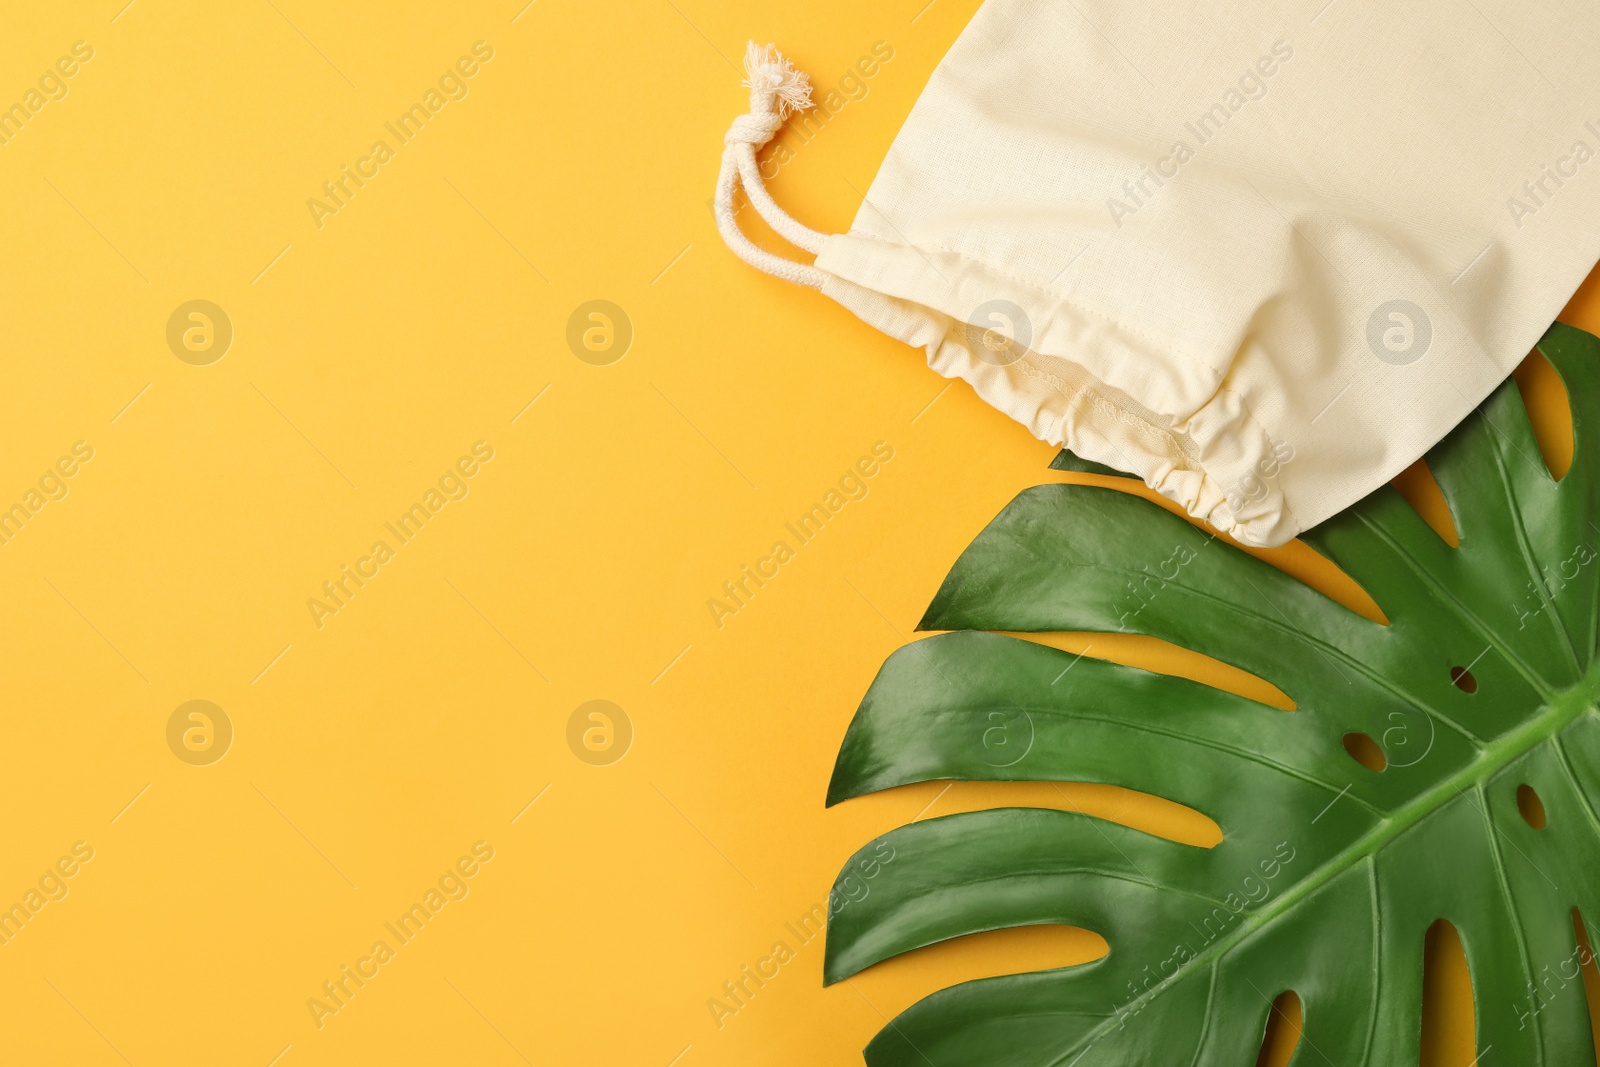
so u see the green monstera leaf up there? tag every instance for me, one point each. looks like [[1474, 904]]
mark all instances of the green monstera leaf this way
[[1482, 686]]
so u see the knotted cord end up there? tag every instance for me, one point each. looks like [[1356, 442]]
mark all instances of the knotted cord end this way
[[773, 82], [776, 89]]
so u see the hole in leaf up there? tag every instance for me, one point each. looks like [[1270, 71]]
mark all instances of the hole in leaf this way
[[1591, 977], [1284, 1023], [1464, 679], [1544, 394], [1163, 657], [1365, 751], [1299, 560], [1448, 1013], [1128, 807], [1583, 310], [900, 981], [1531, 806], [1417, 485]]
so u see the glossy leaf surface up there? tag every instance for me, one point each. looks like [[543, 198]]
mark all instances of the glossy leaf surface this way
[[1484, 681]]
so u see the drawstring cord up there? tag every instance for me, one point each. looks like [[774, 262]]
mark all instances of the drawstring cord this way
[[776, 89]]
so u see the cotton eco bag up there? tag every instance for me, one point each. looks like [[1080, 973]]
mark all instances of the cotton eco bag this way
[[1262, 255]]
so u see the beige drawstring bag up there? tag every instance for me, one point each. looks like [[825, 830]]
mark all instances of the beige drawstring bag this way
[[1262, 255]]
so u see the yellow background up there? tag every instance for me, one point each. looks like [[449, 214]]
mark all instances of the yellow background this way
[[369, 354]]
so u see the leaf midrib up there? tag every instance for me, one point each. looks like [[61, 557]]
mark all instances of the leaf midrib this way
[[1562, 710]]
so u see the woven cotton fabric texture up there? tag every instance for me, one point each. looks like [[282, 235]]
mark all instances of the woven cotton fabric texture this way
[[1262, 255]]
